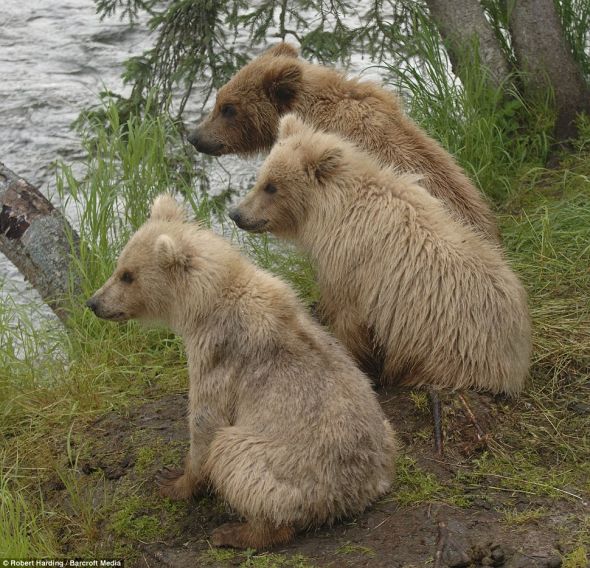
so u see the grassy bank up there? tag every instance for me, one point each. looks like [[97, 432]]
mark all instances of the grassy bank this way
[[76, 480]]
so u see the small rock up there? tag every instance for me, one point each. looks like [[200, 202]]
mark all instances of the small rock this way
[[482, 504], [580, 408], [455, 558], [519, 560], [487, 561], [554, 562], [497, 555], [113, 472], [87, 469], [55, 485]]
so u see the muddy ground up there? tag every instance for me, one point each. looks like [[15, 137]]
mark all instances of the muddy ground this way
[[437, 507]]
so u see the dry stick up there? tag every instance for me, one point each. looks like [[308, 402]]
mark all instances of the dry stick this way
[[436, 416], [441, 543], [481, 435]]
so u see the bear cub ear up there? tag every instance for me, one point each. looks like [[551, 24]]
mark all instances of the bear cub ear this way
[[291, 124], [165, 208], [169, 253], [281, 83], [323, 164], [282, 49]]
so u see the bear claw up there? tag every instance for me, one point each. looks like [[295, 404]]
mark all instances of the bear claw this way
[[172, 484], [175, 484], [167, 475]]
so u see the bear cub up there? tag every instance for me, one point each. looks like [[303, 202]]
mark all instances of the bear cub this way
[[407, 288], [283, 425]]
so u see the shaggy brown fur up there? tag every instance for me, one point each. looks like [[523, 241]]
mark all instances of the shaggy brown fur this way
[[282, 424], [248, 108], [400, 280]]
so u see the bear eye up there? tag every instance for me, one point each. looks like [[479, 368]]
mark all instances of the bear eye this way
[[270, 188], [228, 111], [127, 277]]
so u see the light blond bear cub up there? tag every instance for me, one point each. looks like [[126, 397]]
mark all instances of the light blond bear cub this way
[[401, 282], [248, 108], [283, 425]]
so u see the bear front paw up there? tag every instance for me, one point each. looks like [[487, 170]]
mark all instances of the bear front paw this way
[[175, 484], [247, 535]]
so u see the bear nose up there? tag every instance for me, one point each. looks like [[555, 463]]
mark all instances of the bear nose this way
[[92, 304], [234, 215], [193, 138]]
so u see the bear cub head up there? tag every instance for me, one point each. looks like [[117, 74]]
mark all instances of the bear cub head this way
[[301, 167], [246, 114], [164, 260]]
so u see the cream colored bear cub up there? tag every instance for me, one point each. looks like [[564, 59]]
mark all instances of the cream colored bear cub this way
[[402, 283], [282, 423]]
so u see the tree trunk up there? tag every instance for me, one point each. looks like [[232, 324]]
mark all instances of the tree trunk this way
[[460, 22], [37, 239], [542, 52]]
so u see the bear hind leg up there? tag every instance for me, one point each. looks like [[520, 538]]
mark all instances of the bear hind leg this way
[[257, 535]]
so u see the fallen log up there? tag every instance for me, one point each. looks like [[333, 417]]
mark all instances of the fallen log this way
[[38, 240]]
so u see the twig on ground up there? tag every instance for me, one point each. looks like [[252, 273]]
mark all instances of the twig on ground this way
[[481, 435], [441, 543]]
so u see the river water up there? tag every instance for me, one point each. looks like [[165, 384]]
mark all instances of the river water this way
[[55, 58]]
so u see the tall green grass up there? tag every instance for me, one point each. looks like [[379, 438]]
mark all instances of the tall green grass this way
[[548, 241], [493, 133], [575, 18], [129, 164], [23, 531]]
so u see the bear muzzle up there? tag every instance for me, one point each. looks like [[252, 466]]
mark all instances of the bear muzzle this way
[[246, 224], [204, 145], [95, 305]]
